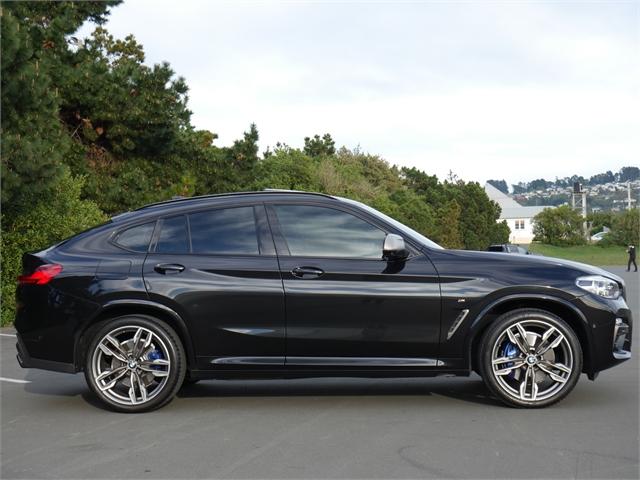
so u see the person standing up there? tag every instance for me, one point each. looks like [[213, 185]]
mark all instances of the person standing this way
[[632, 258]]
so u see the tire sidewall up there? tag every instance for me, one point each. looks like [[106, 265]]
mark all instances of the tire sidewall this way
[[176, 357], [509, 319]]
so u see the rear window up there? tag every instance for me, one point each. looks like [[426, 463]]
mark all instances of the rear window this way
[[496, 248], [136, 238]]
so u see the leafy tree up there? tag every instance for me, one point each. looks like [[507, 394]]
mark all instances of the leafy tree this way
[[318, 147], [601, 178], [559, 226], [425, 185], [288, 169], [519, 188], [407, 207], [33, 142], [538, 184], [500, 185], [628, 174], [625, 228], [113, 101], [499, 233], [478, 216], [448, 233]]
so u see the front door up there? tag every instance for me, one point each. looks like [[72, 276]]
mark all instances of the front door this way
[[218, 269], [345, 305]]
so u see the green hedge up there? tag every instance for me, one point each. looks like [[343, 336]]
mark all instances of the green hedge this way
[[56, 217]]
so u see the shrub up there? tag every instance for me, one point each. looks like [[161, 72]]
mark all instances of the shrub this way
[[559, 226], [61, 215], [625, 228]]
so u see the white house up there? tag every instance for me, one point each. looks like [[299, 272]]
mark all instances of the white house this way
[[519, 218]]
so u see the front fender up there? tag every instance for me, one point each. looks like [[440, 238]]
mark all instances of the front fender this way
[[552, 302]]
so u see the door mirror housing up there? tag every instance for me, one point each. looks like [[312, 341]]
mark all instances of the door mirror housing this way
[[394, 248]]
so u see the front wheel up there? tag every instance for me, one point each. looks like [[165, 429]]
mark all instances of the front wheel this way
[[135, 363], [530, 358]]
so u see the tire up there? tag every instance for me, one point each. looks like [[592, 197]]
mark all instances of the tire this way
[[537, 372], [136, 351]]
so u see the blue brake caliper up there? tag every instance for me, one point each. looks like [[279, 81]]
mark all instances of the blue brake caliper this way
[[509, 350], [155, 355]]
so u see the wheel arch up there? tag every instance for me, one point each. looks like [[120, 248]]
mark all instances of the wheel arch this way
[[555, 305], [117, 308]]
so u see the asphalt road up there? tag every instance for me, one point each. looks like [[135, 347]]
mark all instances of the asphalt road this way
[[330, 428]]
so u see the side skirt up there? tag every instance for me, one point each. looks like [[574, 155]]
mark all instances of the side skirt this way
[[305, 367]]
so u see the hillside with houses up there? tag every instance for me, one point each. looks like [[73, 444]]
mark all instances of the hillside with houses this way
[[605, 191]]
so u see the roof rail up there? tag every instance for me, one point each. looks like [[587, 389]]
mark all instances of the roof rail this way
[[230, 194]]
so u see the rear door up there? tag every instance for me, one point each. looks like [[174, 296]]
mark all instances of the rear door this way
[[218, 269]]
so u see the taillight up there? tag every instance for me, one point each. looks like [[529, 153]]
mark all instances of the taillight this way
[[41, 275]]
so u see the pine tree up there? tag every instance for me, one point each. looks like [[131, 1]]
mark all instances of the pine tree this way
[[34, 142]]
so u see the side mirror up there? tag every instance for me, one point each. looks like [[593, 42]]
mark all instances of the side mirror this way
[[394, 248]]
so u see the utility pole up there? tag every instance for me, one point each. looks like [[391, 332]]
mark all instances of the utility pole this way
[[629, 199]]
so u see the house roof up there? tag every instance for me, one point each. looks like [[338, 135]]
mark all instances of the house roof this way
[[502, 199], [509, 207]]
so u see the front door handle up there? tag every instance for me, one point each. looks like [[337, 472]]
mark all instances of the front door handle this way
[[166, 268], [306, 272]]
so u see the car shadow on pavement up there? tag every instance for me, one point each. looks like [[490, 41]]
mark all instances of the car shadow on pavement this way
[[470, 390]]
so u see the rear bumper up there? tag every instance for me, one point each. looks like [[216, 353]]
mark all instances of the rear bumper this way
[[27, 361]]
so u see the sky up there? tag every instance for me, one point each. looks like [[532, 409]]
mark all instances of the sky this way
[[505, 90]]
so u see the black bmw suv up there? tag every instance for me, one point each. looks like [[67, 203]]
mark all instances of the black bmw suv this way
[[294, 284]]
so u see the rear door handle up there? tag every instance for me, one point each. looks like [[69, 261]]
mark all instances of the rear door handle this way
[[166, 268], [306, 272]]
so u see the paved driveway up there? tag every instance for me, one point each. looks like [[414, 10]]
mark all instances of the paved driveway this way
[[333, 428]]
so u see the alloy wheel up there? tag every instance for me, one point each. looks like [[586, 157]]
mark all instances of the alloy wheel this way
[[130, 365], [532, 360]]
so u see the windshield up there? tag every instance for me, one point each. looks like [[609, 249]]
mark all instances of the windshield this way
[[418, 237]]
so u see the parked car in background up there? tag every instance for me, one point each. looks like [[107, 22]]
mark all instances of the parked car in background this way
[[598, 236], [508, 248], [294, 284]]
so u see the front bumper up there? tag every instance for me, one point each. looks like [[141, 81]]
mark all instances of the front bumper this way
[[609, 325]]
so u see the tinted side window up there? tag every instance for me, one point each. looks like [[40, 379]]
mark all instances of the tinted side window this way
[[325, 232], [173, 236], [136, 238], [224, 231]]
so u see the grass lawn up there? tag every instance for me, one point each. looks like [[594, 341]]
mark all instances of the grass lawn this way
[[591, 254]]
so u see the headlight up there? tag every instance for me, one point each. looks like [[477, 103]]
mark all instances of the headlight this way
[[599, 285]]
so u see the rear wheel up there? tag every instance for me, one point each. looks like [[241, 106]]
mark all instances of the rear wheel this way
[[135, 363], [530, 358]]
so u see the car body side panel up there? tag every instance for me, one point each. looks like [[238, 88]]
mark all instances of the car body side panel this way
[[232, 305], [362, 308]]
